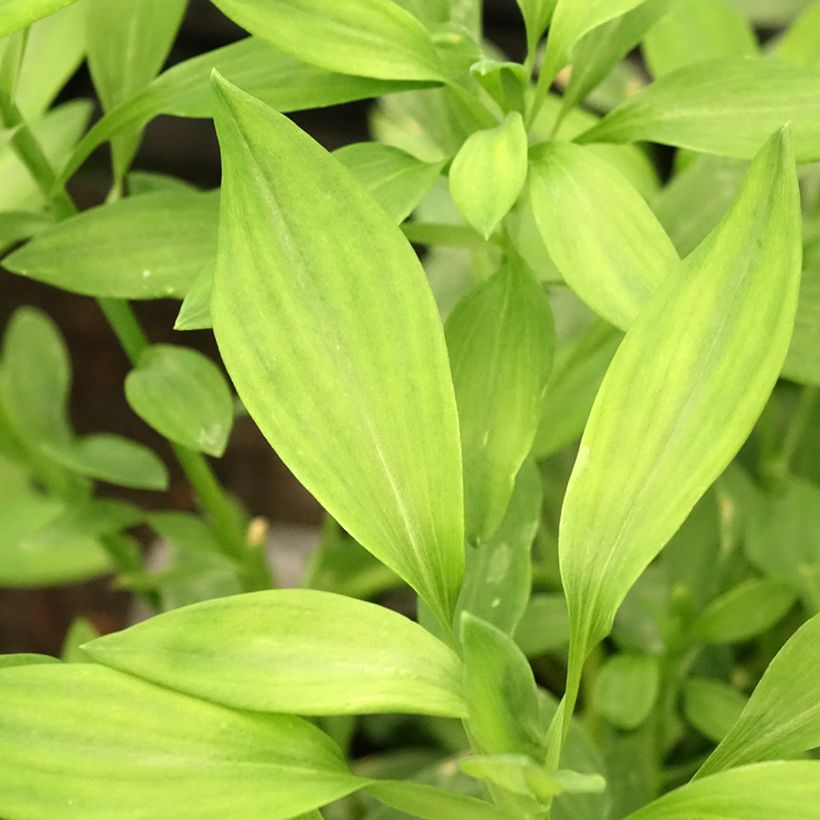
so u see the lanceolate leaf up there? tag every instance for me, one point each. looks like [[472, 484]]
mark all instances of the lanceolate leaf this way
[[17, 14], [430, 803], [300, 651], [782, 717], [143, 247], [801, 42], [87, 742], [600, 232], [332, 338], [368, 38], [682, 394], [727, 106], [501, 340], [279, 79], [712, 707], [182, 394], [537, 14], [781, 789]]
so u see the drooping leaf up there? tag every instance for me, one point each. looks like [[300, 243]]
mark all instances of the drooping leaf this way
[[782, 717], [111, 458], [746, 610], [318, 295], [682, 394], [488, 173], [182, 394], [500, 338], [396, 180], [498, 574], [184, 90], [83, 741], [368, 38], [624, 253], [125, 52], [626, 689], [696, 31], [292, 650], [500, 691], [431, 803], [780, 789], [142, 247], [711, 707], [17, 14], [727, 106]]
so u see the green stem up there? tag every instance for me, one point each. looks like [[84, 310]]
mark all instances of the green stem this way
[[227, 524]]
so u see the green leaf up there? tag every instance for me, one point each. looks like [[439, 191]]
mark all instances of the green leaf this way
[[17, 14], [184, 90], [498, 574], [780, 789], [488, 173], [800, 43], [598, 51], [500, 690], [544, 627], [711, 707], [183, 395], [625, 254], [24, 659], [726, 106], [749, 609], [79, 632], [431, 803], [626, 689], [571, 21], [113, 459], [125, 52], [83, 741], [501, 339], [142, 247], [713, 336], [395, 179], [261, 651], [698, 30], [802, 362], [536, 14], [16, 226], [506, 82], [27, 559], [317, 294], [195, 310], [369, 38], [766, 14], [782, 717]]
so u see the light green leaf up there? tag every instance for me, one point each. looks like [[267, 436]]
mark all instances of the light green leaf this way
[[782, 717], [86, 742], [500, 690], [626, 689], [802, 362], [501, 339], [571, 21], [183, 395], [331, 301], [395, 179], [698, 30], [749, 609], [17, 14], [113, 459], [278, 79], [625, 254], [598, 51], [711, 707], [28, 560], [498, 574], [488, 173], [195, 311], [16, 226], [143, 247], [536, 14], [262, 651], [713, 336], [150, 182], [727, 106], [79, 632], [431, 803], [506, 82], [368, 38], [544, 626], [125, 52], [780, 789], [24, 659], [800, 44], [766, 14]]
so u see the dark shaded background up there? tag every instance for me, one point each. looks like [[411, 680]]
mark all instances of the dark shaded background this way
[[36, 620]]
